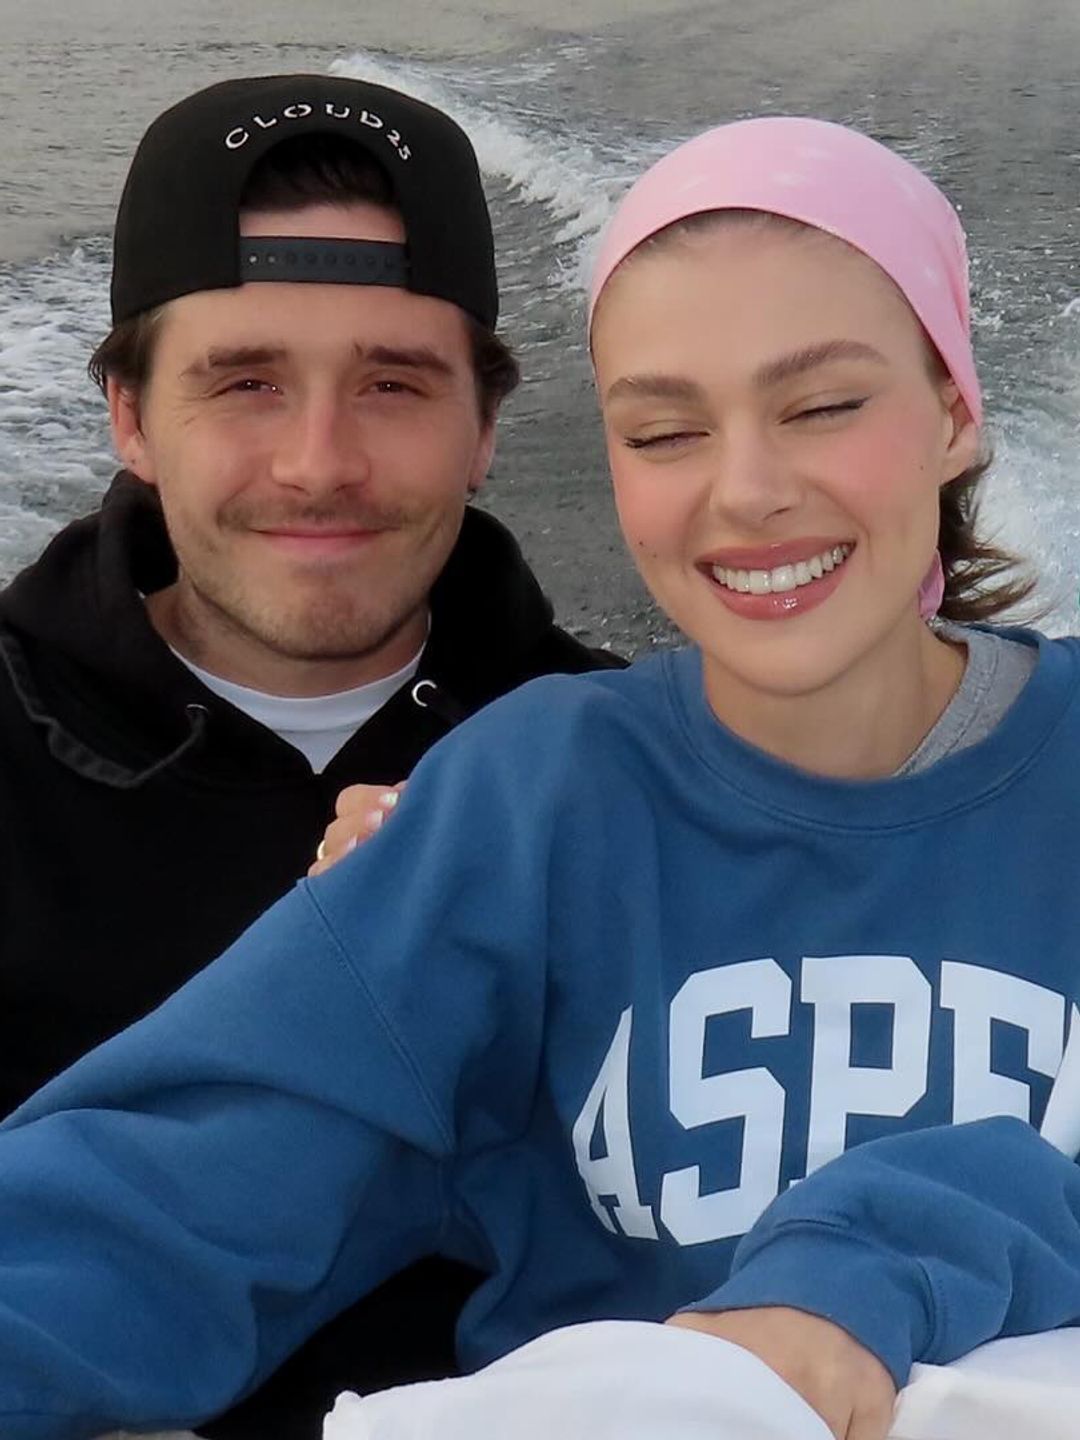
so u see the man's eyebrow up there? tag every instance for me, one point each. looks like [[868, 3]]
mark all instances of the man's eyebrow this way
[[654, 387], [239, 357], [774, 372], [418, 357]]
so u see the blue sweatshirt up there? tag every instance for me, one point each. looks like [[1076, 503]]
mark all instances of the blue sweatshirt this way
[[608, 983]]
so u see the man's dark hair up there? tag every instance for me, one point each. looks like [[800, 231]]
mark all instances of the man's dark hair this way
[[306, 170]]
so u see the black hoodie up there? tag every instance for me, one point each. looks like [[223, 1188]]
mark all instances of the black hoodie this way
[[146, 822]]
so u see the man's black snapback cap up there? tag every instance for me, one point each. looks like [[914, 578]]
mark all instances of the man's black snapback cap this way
[[177, 229]]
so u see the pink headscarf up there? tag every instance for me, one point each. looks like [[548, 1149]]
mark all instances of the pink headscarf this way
[[835, 180]]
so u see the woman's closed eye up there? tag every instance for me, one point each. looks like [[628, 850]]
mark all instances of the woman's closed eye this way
[[667, 440], [831, 411]]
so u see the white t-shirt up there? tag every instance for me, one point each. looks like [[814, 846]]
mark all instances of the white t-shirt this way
[[318, 726]]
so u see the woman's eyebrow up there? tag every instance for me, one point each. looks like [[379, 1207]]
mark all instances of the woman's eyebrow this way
[[773, 372], [655, 387], [810, 357]]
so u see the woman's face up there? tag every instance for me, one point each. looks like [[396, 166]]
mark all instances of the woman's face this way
[[777, 439]]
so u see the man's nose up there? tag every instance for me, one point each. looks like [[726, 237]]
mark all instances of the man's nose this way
[[321, 448]]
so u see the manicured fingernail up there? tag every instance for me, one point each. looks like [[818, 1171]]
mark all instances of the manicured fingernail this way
[[374, 819], [350, 845], [389, 800]]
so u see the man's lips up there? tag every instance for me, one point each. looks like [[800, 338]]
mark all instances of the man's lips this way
[[296, 532], [320, 540]]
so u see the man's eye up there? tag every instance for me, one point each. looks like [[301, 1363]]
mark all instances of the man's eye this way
[[394, 387], [825, 412], [250, 386]]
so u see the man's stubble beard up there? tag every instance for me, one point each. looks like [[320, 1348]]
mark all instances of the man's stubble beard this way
[[337, 623], [326, 617], [321, 617]]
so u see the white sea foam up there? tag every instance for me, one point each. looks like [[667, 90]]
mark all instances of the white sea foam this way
[[1029, 347], [534, 148], [23, 534], [54, 451], [1030, 507], [1032, 493]]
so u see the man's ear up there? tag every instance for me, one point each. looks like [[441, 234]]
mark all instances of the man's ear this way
[[482, 458], [125, 419], [961, 435]]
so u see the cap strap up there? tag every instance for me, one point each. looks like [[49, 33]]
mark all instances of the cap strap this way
[[324, 262]]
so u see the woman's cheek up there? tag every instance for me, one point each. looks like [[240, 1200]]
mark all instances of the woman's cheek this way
[[645, 515], [890, 459]]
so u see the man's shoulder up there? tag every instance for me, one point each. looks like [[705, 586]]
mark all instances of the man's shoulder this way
[[493, 627], [560, 653], [571, 709], [119, 548]]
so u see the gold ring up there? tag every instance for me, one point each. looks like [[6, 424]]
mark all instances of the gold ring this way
[[320, 853]]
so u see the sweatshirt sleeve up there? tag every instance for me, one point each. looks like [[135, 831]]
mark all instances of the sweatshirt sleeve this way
[[187, 1203], [924, 1245]]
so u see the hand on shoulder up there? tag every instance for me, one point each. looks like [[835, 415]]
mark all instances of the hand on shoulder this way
[[358, 814]]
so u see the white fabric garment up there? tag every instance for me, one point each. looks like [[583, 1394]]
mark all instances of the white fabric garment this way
[[318, 726], [610, 1380], [1027, 1387], [625, 1380]]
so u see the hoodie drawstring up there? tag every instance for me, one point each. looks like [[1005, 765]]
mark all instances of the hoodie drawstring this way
[[69, 750], [427, 695]]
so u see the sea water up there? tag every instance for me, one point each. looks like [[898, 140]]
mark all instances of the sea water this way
[[565, 103]]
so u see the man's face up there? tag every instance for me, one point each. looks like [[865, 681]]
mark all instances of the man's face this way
[[313, 446]]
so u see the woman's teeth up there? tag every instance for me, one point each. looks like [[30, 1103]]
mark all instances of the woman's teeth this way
[[784, 577]]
